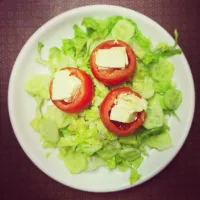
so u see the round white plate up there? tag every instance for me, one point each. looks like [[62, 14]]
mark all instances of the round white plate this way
[[22, 106]]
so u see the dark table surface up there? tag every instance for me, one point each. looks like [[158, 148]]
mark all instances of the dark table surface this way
[[19, 178]]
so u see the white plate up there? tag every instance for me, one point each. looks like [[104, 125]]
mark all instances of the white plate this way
[[22, 106]]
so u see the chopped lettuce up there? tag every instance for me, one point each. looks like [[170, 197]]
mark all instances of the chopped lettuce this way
[[75, 162], [137, 162], [144, 86], [109, 150], [38, 85], [129, 154], [39, 58], [147, 54], [141, 40], [35, 123], [82, 140], [139, 51], [162, 71], [134, 176], [172, 98], [164, 50], [94, 163], [162, 86], [69, 141], [111, 163], [104, 133], [49, 130], [99, 29], [78, 32], [161, 142], [171, 113], [154, 131], [96, 29], [90, 146], [91, 114], [58, 59], [131, 140], [62, 119], [155, 116], [123, 30], [142, 81]]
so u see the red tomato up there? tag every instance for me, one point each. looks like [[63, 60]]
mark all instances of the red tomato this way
[[119, 128], [113, 76], [84, 95]]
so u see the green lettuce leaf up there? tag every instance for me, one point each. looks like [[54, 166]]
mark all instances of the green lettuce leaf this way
[[134, 176], [58, 59], [49, 131], [109, 151], [161, 142], [62, 119], [172, 98], [75, 162], [38, 85], [94, 163], [137, 162], [39, 58], [143, 85], [69, 141], [111, 163], [35, 122], [154, 131], [90, 146], [162, 71], [78, 32], [164, 50], [129, 154], [154, 115], [131, 140], [150, 55]]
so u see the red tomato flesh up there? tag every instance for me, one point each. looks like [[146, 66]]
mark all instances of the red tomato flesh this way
[[113, 76], [119, 128], [84, 95]]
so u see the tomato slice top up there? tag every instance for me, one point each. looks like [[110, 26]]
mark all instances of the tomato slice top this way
[[119, 128], [83, 96], [113, 76]]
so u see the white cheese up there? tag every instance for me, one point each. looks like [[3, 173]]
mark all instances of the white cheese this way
[[65, 86], [132, 102], [121, 114], [115, 57], [126, 107]]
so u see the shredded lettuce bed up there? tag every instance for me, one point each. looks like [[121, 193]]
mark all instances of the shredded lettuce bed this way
[[83, 142]]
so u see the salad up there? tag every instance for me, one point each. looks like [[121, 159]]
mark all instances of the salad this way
[[106, 97]]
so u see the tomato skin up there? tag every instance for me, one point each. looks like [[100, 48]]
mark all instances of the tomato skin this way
[[113, 76], [117, 127], [84, 96]]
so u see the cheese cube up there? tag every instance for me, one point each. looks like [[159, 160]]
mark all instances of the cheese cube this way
[[121, 114], [132, 102], [114, 57], [64, 86], [126, 108]]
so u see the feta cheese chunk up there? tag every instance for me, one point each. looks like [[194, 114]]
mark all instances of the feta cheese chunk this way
[[65, 86], [132, 102], [126, 107], [121, 114], [115, 57]]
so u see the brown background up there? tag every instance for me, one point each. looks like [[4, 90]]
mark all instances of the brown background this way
[[19, 178]]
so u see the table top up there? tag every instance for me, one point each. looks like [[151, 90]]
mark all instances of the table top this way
[[20, 178]]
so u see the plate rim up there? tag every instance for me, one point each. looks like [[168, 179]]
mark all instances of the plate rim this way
[[14, 71]]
